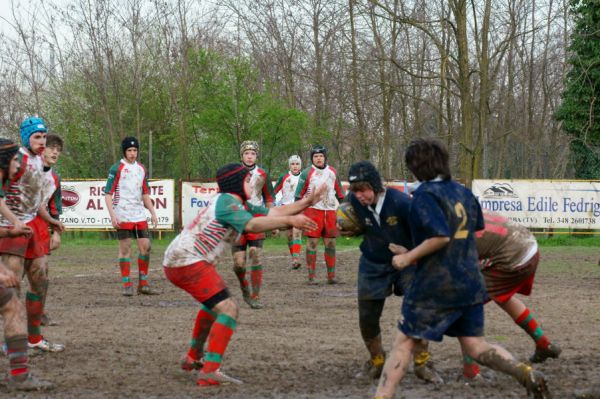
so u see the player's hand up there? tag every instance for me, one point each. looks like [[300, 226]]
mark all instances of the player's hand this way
[[21, 230], [401, 261], [397, 249], [317, 195], [55, 241], [275, 233], [8, 278], [154, 221], [303, 222], [116, 223], [57, 225]]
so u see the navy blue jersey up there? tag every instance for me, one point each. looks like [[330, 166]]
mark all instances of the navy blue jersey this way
[[450, 277], [394, 226]]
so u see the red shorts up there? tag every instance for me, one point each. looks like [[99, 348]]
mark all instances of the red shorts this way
[[325, 221], [502, 285], [245, 237], [199, 279], [32, 247]]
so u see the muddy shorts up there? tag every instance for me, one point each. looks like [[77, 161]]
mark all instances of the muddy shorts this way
[[433, 324], [201, 280], [32, 247], [501, 284], [379, 280], [133, 230]]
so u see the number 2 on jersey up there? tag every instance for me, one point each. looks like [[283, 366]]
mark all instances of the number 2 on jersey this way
[[461, 232]]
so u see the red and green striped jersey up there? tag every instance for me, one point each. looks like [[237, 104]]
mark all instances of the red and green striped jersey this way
[[55, 201], [212, 231], [312, 177], [127, 182]]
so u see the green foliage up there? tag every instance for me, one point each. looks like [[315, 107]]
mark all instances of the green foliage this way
[[580, 111]]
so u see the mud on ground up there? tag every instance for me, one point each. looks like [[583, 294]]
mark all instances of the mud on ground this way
[[305, 343]]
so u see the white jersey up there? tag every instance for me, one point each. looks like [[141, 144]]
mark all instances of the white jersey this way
[[285, 188], [127, 182], [30, 188]]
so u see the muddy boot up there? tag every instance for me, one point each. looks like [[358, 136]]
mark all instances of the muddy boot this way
[[128, 291], [372, 368], [31, 383], [146, 290], [540, 355], [535, 383]]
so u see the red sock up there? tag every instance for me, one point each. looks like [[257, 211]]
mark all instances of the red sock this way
[[35, 309], [218, 339], [204, 321], [240, 273], [470, 368], [528, 323], [256, 275], [142, 262], [124, 264], [16, 350], [330, 262]]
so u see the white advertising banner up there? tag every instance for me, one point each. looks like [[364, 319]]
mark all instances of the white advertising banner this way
[[84, 206], [196, 195], [543, 203]]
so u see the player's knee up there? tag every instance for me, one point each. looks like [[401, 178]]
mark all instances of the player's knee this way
[[228, 307], [6, 294]]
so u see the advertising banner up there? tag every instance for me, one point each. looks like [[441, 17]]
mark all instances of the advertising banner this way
[[84, 206], [543, 203]]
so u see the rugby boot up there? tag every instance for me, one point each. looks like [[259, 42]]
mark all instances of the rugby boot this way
[[44, 346], [296, 264], [311, 281], [535, 383], [216, 377], [128, 290], [332, 281], [146, 290], [540, 355], [428, 373], [373, 367], [255, 303], [31, 383], [189, 364]]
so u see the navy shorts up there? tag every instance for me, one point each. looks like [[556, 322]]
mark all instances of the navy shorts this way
[[379, 280], [433, 324]]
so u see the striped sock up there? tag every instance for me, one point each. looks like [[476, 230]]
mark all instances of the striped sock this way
[[16, 350], [528, 323], [218, 339], [295, 248], [124, 264], [240, 273], [311, 263], [256, 275], [142, 262], [330, 262], [470, 368], [204, 321], [33, 305]]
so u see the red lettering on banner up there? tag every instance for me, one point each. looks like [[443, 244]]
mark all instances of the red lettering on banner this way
[[94, 204], [205, 190]]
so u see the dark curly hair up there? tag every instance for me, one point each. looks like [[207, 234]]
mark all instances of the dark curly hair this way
[[8, 149], [428, 159]]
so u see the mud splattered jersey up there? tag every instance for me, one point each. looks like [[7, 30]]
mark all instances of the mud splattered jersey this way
[[211, 232], [287, 184], [261, 190], [127, 182], [450, 277], [503, 244], [29, 189], [312, 177]]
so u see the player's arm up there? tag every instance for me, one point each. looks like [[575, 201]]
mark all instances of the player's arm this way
[[7, 213], [300, 204], [267, 192], [265, 223], [339, 189], [109, 189], [425, 248], [302, 186], [56, 224]]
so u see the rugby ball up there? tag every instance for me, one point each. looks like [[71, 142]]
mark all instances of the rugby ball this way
[[348, 220]]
